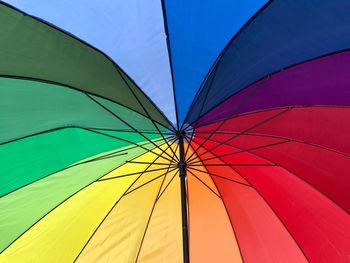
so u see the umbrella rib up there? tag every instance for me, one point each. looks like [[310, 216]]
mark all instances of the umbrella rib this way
[[229, 117], [177, 172], [124, 130], [155, 178], [207, 92], [129, 174], [110, 210], [241, 150], [201, 181], [235, 164], [279, 137], [188, 143], [147, 113], [123, 121], [157, 163], [167, 38], [219, 176], [138, 145], [241, 133]]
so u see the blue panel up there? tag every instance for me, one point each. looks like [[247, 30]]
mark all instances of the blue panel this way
[[198, 31], [130, 32], [286, 32]]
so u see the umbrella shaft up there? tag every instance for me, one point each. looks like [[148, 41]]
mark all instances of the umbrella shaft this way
[[182, 171]]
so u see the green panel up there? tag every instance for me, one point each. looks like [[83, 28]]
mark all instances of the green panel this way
[[139, 122], [30, 48], [131, 136], [28, 107], [30, 159], [22, 208]]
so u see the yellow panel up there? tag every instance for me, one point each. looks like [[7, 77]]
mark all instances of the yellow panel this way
[[119, 237], [147, 177], [168, 179], [210, 232], [60, 236], [163, 240]]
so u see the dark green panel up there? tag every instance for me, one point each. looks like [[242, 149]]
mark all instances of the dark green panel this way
[[30, 48]]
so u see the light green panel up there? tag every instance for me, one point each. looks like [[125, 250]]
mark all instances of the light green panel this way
[[28, 107], [22, 208], [32, 49], [30, 159]]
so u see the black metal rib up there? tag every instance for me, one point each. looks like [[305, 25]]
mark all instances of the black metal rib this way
[[125, 122], [219, 176], [201, 181], [167, 37], [149, 116], [240, 151], [241, 133]]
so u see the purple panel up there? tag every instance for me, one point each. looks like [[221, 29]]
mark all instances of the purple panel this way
[[323, 81]]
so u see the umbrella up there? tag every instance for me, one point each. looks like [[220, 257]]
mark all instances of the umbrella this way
[[174, 131]]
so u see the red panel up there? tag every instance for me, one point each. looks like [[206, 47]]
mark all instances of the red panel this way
[[326, 126], [320, 227], [243, 122], [229, 154], [261, 236], [243, 141], [328, 171], [222, 170]]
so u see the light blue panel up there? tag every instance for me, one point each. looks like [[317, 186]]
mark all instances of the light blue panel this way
[[198, 31], [130, 32]]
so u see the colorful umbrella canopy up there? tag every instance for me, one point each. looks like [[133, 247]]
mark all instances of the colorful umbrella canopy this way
[[174, 131]]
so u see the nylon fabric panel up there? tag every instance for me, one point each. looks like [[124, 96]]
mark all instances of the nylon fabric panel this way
[[324, 126], [22, 208], [33, 158], [120, 235], [29, 107], [310, 217], [323, 81], [283, 34], [261, 236], [130, 32], [61, 234], [198, 37], [62, 59], [228, 154], [325, 170], [145, 161], [163, 238], [222, 170], [242, 142], [200, 172], [210, 232], [242, 122]]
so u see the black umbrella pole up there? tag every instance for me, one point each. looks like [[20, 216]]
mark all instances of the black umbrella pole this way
[[182, 170]]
